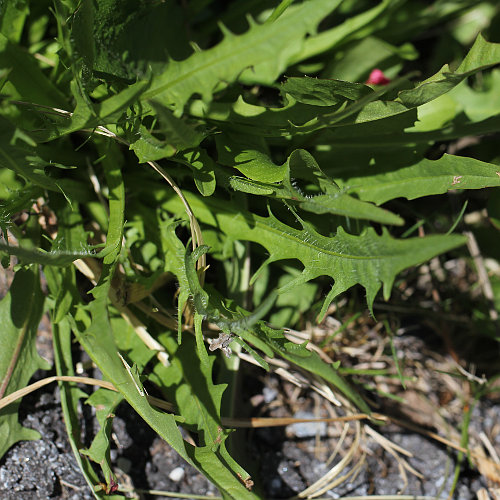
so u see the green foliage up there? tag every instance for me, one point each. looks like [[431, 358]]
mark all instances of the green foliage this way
[[20, 313], [278, 166]]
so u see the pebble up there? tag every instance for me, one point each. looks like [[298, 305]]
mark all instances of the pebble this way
[[307, 429], [176, 474], [269, 394]]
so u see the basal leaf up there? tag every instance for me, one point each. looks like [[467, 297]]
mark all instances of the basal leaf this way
[[174, 134], [361, 57], [325, 196], [477, 104], [203, 168], [368, 259], [88, 115], [249, 157], [250, 328], [174, 251], [70, 399], [322, 92], [427, 177], [98, 339], [125, 39], [20, 313], [105, 403], [188, 384], [20, 153], [329, 197], [254, 119], [309, 361], [259, 56], [116, 199], [16, 199], [99, 343], [147, 147]]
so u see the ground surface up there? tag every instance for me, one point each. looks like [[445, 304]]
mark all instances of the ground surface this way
[[286, 460]]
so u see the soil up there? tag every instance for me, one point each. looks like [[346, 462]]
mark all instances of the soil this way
[[289, 459], [286, 460]]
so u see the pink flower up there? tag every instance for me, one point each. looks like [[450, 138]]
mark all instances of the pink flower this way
[[377, 77]]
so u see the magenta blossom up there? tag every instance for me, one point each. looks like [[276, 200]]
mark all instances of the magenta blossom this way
[[377, 77]]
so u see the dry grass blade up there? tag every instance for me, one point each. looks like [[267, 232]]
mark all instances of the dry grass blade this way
[[14, 396], [394, 450], [7, 400], [283, 421], [393, 497], [324, 483], [484, 280], [351, 475]]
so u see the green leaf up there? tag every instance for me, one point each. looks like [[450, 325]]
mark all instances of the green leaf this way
[[258, 56], [17, 200], [147, 147], [20, 154], [33, 256], [174, 253], [203, 168], [190, 386], [368, 259], [482, 55], [20, 313], [177, 134], [116, 199], [250, 328], [359, 59], [354, 27], [321, 92], [12, 18], [98, 341], [329, 197], [26, 80], [425, 178], [62, 286], [324, 196], [105, 403], [88, 115], [248, 155], [311, 362], [124, 39], [254, 119], [70, 397]]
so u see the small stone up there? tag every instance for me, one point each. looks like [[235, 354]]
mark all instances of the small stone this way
[[269, 394], [176, 474], [307, 429]]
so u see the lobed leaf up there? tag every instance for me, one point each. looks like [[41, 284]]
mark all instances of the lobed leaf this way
[[368, 259], [258, 56]]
